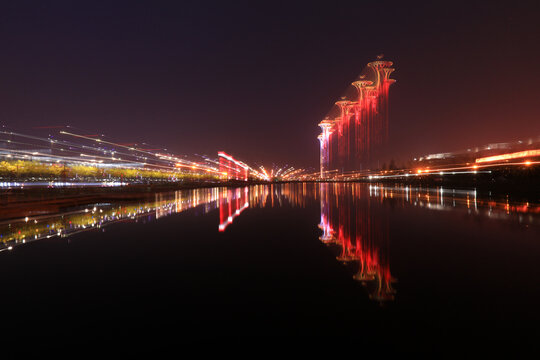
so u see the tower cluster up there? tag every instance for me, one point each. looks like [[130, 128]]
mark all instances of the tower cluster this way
[[356, 129]]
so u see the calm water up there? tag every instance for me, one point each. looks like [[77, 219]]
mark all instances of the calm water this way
[[404, 268]]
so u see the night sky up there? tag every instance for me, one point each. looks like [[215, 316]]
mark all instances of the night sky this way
[[255, 78]]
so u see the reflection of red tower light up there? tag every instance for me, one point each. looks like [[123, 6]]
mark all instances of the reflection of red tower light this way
[[347, 252], [231, 205], [384, 290], [364, 274], [328, 234]]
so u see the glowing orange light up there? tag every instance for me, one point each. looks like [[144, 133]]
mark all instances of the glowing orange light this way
[[528, 163], [515, 155]]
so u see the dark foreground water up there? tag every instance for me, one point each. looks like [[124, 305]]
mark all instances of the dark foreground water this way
[[394, 268]]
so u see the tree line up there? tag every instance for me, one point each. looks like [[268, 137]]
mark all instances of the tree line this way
[[22, 169]]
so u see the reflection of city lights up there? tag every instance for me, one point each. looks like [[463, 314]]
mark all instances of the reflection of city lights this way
[[355, 227], [18, 231]]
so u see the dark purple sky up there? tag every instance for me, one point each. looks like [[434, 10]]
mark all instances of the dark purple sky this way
[[254, 78]]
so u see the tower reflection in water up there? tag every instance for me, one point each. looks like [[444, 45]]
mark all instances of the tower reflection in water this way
[[352, 221], [231, 204], [354, 217]]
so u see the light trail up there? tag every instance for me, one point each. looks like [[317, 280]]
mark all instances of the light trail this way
[[178, 161], [432, 171], [232, 168], [514, 155], [92, 152]]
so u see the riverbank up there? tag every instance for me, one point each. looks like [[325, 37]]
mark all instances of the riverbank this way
[[518, 184]]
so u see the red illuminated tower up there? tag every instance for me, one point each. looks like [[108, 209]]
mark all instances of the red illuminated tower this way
[[361, 124], [362, 118], [378, 67], [343, 132], [342, 104], [382, 71], [361, 85], [327, 127]]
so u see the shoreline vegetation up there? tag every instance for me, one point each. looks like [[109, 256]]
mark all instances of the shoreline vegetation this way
[[31, 170]]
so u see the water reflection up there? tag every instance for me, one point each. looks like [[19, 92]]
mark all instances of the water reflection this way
[[464, 261], [354, 218], [440, 198], [230, 201], [21, 231], [231, 205], [350, 221]]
